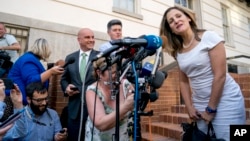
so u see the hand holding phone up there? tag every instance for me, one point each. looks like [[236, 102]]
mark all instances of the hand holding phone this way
[[74, 88], [11, 119], [62, 131], [8, 83]]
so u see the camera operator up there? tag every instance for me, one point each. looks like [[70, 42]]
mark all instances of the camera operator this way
[[8, 49]]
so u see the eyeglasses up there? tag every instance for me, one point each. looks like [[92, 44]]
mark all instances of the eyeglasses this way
[[40, 100]]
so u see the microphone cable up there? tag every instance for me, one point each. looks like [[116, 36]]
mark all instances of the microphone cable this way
[[135, 99], [83, 100], [93, 122]]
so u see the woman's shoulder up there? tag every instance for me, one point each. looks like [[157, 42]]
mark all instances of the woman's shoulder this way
[[27, 57], [92, 87], [211, 38], [208, 33]]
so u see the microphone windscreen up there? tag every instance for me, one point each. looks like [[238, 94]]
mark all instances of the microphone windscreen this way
[[154, 42], [70, 61], [158, 79]]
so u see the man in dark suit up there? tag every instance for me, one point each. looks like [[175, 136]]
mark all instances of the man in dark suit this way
[[72, 78]]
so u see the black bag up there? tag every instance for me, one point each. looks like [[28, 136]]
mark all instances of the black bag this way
[[192, 133], [4, 55], [5, 63]]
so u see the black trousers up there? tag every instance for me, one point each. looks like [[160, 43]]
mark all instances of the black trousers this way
[[74, 127]]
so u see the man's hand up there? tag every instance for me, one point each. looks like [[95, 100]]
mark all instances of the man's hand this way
[[61, 136], [70, 91], [4, 130]]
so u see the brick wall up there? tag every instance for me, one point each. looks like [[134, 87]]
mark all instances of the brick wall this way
[[169, 94], [57, 99]]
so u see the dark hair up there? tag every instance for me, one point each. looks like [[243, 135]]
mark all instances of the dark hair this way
[[175, 41], [35, 86], [113, 22]]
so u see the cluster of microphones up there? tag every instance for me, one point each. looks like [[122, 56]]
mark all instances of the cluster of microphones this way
[[136, 49]]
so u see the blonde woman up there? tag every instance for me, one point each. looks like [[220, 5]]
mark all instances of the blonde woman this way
[[101, 107], [28, 67]]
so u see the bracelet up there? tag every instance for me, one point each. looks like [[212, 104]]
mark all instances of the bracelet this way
[[210, 110]]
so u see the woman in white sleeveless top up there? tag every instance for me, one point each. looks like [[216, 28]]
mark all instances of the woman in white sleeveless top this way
[[209, 92]]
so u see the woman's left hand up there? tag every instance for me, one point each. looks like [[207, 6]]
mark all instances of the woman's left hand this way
[[57, 70], [207, 117]]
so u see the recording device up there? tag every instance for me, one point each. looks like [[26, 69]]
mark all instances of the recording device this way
[[157, 80], [106, 53], [143, 53], [8, 83], [150, 42], [70, 61], [74, 88], [11, 119], [62, 131]]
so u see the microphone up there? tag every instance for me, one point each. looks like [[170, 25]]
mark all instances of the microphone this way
[[158, 80], [159, 77], [150, 42], [143, 53], [70, 61], [105, 53]]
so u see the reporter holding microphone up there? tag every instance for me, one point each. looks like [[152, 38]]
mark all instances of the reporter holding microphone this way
[[28, 67]]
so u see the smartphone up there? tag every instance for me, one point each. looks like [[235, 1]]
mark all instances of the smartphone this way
[[8, 83], [62, 131], [11, 119], [74, 88]]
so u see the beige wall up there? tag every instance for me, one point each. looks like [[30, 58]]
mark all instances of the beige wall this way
[[59, 21]]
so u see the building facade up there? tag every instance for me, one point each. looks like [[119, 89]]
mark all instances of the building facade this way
[[59, 21]]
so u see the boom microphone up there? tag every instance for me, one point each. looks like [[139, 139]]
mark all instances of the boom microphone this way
[[70, 61], [150, 42]]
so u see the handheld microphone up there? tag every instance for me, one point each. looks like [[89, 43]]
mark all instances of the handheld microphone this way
[[150, 42], [70, 61]]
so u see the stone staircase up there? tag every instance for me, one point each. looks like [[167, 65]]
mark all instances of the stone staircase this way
[[165, 125], [168, 127]]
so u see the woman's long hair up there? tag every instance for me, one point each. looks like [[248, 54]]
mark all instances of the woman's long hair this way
[[174, 42]]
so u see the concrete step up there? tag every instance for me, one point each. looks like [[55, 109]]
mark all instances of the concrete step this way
[[164, 129], [154, 137], [178, 109], [175, 118]]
